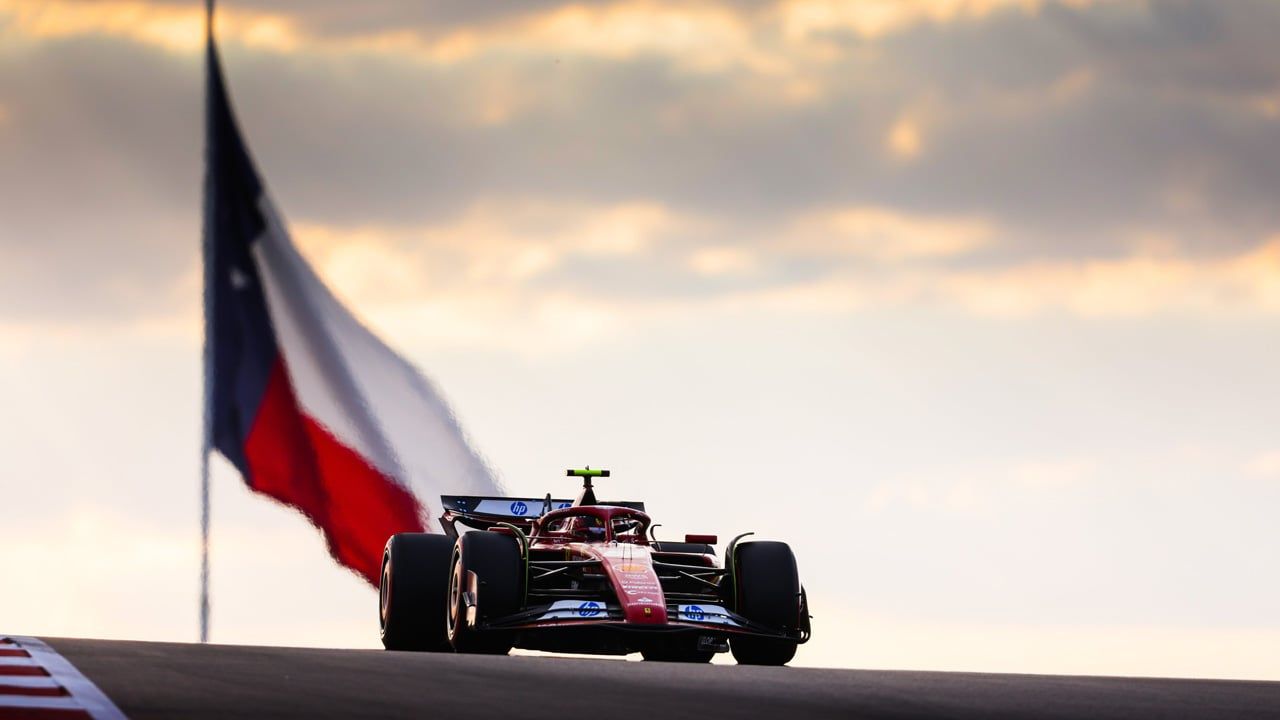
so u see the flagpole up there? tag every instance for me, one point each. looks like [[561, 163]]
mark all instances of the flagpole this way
[[206, 434]]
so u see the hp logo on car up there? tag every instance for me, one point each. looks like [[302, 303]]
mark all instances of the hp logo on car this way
[[562, 506], [590, 608], [695, 613], [519, 508]]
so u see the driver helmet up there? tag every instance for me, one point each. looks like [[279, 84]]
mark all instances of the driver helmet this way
[[590, 527]]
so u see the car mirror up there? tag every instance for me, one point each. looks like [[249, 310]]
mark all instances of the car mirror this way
[[701, 539]]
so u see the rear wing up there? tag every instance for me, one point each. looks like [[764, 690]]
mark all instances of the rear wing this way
[[485, 512]]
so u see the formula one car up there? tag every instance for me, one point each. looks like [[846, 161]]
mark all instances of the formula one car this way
[[586, 577]]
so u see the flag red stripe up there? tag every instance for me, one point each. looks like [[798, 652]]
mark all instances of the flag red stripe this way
[[298, 462]]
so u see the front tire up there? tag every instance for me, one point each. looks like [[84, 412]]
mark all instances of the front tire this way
[[499, 569], [412, 592], [768, 592]]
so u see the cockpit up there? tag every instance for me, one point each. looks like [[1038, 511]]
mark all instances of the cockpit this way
[[621, 525]]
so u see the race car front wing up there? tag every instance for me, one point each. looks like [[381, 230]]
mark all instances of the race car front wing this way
[[607, 615]]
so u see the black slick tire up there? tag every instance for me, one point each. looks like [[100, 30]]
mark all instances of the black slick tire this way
[[499, 569], [412, 592], [768, 592]]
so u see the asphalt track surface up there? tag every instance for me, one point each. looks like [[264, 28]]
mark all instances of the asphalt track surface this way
[[170, 680]]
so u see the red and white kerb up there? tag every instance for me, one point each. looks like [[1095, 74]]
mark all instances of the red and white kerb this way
[[36, 683]]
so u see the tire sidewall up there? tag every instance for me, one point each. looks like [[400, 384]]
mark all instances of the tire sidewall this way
[[767, 592], [499, 569], [411, 591]]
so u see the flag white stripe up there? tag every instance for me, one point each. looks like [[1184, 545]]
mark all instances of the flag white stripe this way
[[350, 382]]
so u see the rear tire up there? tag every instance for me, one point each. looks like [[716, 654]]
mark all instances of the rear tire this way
[[499, 569], [768, 593], [412, 592]]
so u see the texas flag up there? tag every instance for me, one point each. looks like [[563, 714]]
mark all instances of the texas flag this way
[[312, 408]]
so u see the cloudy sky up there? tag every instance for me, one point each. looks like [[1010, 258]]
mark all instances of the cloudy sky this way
[[976, 302]]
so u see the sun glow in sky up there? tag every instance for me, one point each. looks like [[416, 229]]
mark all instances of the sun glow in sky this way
[[976, 302]]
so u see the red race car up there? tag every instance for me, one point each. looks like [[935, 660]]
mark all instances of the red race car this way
[[586, 577]]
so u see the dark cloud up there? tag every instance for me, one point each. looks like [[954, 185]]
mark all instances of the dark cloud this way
[[1182, 45], [1164, 115], [100, 170], [429, 18], [99, 156]]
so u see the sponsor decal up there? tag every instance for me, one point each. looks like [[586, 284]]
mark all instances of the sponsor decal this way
[[519, 508], [637, 589], [713, 614], [576, 610], [564, 505], [632, 568], [645, 600]]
